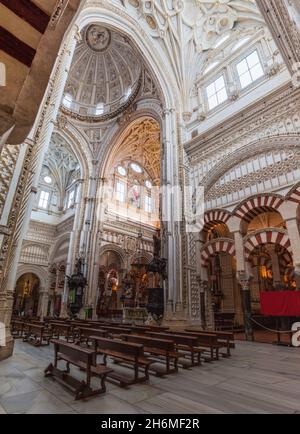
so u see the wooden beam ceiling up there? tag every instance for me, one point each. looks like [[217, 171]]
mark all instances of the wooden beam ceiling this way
[[29, 12], [16, 48]]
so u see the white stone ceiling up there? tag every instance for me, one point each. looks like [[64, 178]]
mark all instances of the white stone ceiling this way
[[104, 76], [188, 31]]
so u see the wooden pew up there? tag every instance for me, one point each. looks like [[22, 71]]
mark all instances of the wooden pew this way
[[207, 342], [62, 330], [188, 344], [36, 334], [161, 349], [82, 358], [17, 329], [116, 331], [85, 334], [126, 353], [225, 338]]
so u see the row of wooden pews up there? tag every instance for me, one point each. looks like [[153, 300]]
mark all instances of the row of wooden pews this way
[[146, 350]]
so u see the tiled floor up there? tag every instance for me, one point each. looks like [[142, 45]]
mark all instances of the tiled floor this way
[[259, 378]]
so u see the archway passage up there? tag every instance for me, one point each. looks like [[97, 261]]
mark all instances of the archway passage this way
[[26, 297], [272, 270]]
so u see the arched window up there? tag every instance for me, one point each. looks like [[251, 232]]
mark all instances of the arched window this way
[[134, 188]]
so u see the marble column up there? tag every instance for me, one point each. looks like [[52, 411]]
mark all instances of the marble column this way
[[171, 206], [43, 303], [243, 274], [74, 236]]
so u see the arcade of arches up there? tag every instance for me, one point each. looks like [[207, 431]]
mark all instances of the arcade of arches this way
[[136, 107]]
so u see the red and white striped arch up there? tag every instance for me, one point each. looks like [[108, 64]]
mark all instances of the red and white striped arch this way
[[217, 246], [294, 195], [254, 206], [212, 218], [284, 260], [267, 237]]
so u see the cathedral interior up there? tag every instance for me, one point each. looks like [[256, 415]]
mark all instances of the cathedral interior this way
[[150, 196]]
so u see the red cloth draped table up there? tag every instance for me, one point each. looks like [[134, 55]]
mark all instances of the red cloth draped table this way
[[280, 303]]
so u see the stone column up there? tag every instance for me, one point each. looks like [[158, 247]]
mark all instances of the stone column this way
[[171, 219], [244, 280], [72, 250], [43, 303], [243, 274]]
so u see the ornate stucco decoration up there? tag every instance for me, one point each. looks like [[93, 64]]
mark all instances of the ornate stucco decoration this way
[[187, 30], [141, 143], [61, 163]]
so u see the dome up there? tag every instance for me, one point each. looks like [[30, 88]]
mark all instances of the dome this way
[[104, 77]]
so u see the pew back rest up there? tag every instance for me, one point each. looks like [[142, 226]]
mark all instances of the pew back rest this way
[[87, 332], [131, 349], [116, 330], [178, 339], [60, 327], [160, 344], [34, 328], [203, 337], [75, 352]]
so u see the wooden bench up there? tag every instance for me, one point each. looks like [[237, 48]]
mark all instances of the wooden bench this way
[[17, 329], [62, 330], [207, 342], [83, 358], [126, 353], [85, 334], [36, 334], [116, 331], [161, 349], [188, 344], [225, 338]]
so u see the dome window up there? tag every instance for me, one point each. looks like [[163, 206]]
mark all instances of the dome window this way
[[99, 109], [48, 180], [68, 100], [136, 168], [121, 171]]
